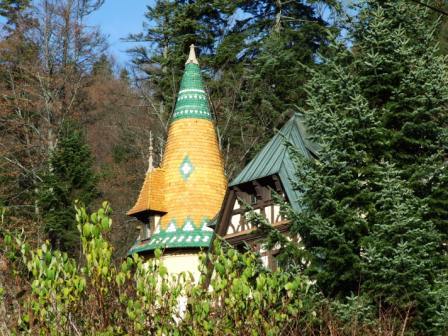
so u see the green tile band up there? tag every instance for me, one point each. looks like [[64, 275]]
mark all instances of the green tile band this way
[[187, 236], [192, 101]]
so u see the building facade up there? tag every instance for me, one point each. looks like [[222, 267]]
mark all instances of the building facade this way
[[179, 199], [270, 172]]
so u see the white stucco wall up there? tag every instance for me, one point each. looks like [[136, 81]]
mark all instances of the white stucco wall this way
[[182, 262]]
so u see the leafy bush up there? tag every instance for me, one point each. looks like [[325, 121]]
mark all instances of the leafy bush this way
[[135, 296], [138, 296]]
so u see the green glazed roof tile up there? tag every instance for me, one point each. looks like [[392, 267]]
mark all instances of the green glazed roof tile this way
[[172, 237], [192, 101], [274, 158]]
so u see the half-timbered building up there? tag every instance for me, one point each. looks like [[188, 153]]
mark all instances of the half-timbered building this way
[[271, 171], [179, 199]]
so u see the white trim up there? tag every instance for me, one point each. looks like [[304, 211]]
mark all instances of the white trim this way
[[171, 228], [191, 90]]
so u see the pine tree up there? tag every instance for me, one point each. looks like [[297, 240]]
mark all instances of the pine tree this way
[[404, 77], [70, 178], [13, 12], [124, 76], [103, 67], [442, 32], [338, 189], [172, 27], [280, 37]]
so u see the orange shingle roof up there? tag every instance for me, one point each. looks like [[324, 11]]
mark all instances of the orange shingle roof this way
[[151, 196]]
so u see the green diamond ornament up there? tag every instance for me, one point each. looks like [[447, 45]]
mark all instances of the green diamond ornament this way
[[186, 168]]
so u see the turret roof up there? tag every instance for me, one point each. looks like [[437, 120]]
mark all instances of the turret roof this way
[[188, 189], [192, 101]]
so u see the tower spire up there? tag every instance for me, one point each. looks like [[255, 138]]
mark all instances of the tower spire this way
[[192, 56], [151, 154], [192, 100]]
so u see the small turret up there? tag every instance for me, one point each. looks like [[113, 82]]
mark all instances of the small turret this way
[[151, 154]]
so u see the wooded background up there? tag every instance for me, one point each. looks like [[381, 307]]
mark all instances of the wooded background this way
[[55, 70], [372, 84]]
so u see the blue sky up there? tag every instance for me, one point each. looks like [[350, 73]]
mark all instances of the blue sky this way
[[117, 19]]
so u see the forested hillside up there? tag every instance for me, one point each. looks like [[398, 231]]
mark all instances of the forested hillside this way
[[371, 81], [56, 70]]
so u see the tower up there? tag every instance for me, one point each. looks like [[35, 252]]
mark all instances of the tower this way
[[178, 199]]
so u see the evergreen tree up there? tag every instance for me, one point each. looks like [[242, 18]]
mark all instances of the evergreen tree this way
[[279, 38], [373, 206], [124, 76], [251, 53], [171, 28], [103, 67], [13, 12], [70, 178], [338, 190], [439, 7], [405, 78], [402, 257]]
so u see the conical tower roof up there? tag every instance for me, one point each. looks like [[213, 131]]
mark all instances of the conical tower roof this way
[[190, 182], [192, 101]]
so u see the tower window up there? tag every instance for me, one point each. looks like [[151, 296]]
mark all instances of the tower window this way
[[145, 232]]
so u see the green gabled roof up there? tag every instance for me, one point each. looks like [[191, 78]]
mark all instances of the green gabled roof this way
[[274, 158]]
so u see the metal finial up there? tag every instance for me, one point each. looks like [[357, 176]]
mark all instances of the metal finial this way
[[192, 56], [151, 154]]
